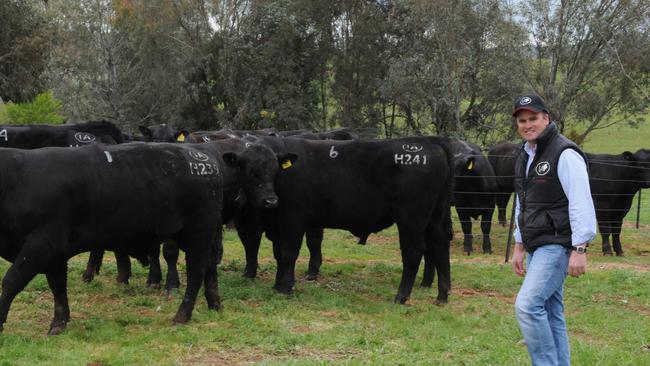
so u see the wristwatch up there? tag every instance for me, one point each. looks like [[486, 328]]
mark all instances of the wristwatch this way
[[580, 249]]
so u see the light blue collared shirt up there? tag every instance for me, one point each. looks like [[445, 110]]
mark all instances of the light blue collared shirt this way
[[572, 172]]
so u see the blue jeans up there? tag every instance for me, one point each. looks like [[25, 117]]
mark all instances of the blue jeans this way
[[539, 306]]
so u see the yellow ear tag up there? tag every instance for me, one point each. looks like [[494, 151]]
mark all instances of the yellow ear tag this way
[[286, 164], [470, 166], [180, 138]]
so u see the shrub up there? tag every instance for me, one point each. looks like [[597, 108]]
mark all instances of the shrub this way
[[43, 109]]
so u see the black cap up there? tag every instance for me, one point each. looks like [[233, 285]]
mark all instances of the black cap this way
[[531, 102]]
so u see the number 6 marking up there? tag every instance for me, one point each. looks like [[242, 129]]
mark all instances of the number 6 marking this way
[[333, 153]]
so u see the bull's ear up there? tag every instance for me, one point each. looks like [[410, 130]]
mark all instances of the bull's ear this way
[[145, 131], [231, 159], [628, 155], [470, 163], [181, 135], [286, 160]]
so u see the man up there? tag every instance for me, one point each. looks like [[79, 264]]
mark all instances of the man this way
[[555, 222]]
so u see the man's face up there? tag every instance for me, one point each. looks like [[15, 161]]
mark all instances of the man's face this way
[[530, 124]]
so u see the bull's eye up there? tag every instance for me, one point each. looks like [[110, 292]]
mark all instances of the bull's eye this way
[[259, 185]]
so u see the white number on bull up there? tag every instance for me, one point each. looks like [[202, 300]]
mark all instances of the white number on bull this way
[[203, 168], [410, 159], [333, 153]]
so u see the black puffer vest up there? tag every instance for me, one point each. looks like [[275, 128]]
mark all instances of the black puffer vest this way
[[544, 208]]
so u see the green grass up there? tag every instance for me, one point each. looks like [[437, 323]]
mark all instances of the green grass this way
[[346, 317]]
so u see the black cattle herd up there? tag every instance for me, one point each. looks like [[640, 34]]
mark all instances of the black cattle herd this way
[[87, 187]]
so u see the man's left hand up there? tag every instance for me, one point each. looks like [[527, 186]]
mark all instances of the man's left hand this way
[[577, 264]]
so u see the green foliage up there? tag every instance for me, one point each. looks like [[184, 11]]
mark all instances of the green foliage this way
[[45, 108]]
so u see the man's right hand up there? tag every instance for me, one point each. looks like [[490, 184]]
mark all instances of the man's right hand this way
[[518, 259]]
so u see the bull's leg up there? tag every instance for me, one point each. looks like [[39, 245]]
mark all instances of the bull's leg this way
[[94, 263], [170, 253], [58, 281], [607, 249], [502, 199], [442, 263], [466, 225], [605, 227], [196, 258], [616, 238], [314, 242], [486, 226], [155, 273], [210, 282], [411, 243], [429, 267], [288, 247], [25, 267], [250, 234], [123, 267]]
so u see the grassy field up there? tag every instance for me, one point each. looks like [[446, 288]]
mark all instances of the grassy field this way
[[346, 317]]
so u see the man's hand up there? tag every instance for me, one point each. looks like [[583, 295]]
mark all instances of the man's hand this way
[[577, 264], [518, 259]]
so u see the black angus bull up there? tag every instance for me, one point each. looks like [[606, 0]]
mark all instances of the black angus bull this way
[[614, 180], [502, 158], [248, 221], [364, 187], [59, 202], [474, 188], [161, 133], [80, 134], [246, 168]]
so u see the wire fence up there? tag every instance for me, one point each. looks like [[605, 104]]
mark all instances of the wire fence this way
[[636, 169]]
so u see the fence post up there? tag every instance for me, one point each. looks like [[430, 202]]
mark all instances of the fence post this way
[[638, 209], [512, 225]]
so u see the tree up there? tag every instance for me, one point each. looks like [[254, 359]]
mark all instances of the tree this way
[[24, 48], [588, 61], [124, 60]]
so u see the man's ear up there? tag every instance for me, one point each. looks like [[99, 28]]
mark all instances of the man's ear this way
[[286, 160], [145, 131], [231, 159], [181, 135]]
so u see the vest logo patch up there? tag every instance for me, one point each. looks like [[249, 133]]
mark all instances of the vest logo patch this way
[[543, 168]]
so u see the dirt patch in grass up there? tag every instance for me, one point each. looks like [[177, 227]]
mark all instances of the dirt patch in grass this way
[[610, 266], [252, 356], [469, 292]]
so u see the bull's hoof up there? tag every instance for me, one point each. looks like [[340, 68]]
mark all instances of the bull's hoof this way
[[400, 299], [468, 252], [607, 254], [440, 302], [310, 276], [249, 274], [56, 329], [172, 286], [487, 251], [87, 278], [155, 286], [122, 280], [180, 319], [620, 254], [215, 304], [283, 289]]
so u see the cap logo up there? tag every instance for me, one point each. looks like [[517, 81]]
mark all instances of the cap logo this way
[[543, 168], [525, 100]]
